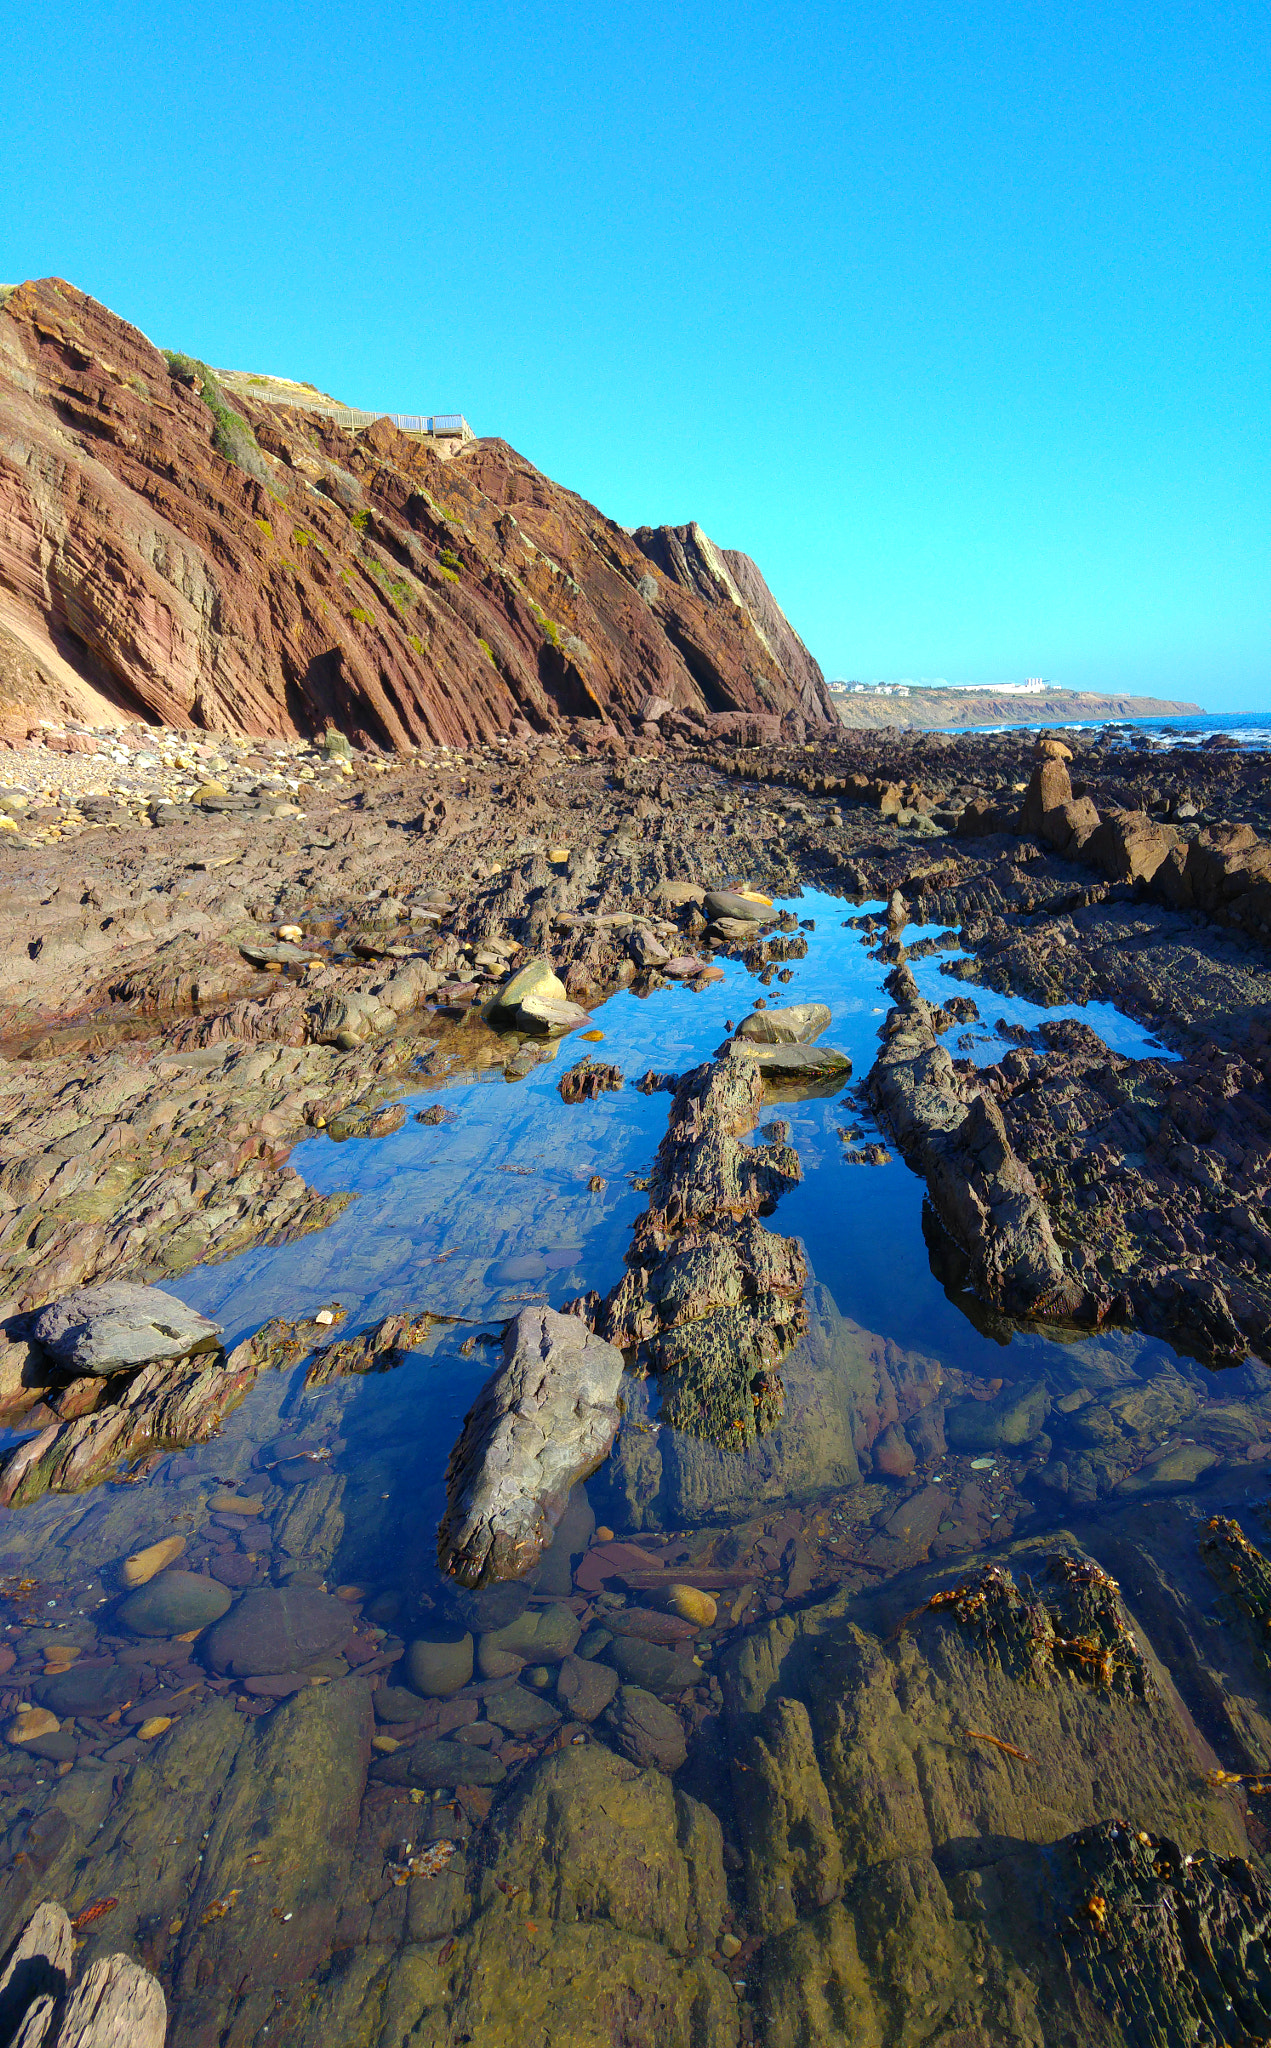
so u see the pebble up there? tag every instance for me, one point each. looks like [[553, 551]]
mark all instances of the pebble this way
[[35, 1722], [145, 1565], [692, 1605]]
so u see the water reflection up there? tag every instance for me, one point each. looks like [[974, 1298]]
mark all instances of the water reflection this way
[[913, 1431]]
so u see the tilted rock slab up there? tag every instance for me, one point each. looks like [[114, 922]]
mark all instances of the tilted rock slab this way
[[164, 1406], [711, 1300], [544, 1419], [116, 2004], [953, 1133]]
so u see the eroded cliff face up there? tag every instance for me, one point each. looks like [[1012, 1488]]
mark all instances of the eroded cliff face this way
[[205, 560], [725, 579]]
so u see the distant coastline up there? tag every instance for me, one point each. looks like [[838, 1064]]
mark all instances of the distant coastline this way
[[931, 710]]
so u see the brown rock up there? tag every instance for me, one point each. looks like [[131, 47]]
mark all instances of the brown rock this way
[[200, 563]]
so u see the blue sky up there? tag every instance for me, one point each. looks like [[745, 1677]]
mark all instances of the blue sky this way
[[954, 317]]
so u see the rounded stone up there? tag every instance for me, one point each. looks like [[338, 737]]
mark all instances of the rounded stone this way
[[394, 1703], [87, 1689], [652, 1668], [520, 1712], [277, 1628], [145, 1565], [543, 1635], [119, 1324], [692, 1605], [35, 1726], [440, 1665], [730, 903], [439, 1765], [585, 1688], [173, 1603]]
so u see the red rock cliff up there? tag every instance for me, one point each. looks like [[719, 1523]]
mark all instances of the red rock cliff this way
[[201, 559]]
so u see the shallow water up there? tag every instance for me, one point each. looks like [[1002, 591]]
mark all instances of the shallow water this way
[[470, 1218]]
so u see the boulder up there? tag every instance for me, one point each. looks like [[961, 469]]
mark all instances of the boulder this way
[[541, 1635], [536, 978], [646, 949], [518, 1711], [649, 1665], [732, 903], [546, 1017], [1048, 789], [91, 1689], [646, 1731], [119, 1325], [439, 1765], [348, 1021], [1130, 847], [544, 1419], [274, 1629], [795, 1024], [440, 1665], [173, 1603], [585, 1688]]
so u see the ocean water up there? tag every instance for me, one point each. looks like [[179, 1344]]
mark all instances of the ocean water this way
[[1250, 729]]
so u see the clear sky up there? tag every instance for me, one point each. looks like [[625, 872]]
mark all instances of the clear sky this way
[[953, 316]]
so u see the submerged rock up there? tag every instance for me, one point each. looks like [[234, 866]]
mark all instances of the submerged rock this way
[[585, 1688], [174, 1602], [119, 1325], [646, 1731], [543, 1420], [276, 1629], [144, 1564], [622, 1878], [711, 1299], [440, 1665]]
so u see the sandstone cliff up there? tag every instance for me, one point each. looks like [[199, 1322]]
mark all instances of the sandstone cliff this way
[[191, 555], [721, 577]]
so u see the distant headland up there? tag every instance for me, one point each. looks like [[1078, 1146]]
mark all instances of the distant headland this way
[[930, 706]]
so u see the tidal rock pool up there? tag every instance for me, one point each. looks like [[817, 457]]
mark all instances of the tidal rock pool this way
[[925, 1709]]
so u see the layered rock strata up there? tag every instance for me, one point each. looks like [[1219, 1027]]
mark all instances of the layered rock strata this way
[[204, 559]]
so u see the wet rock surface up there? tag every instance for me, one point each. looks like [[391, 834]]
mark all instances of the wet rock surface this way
[[544, 1420], [968, 1734]]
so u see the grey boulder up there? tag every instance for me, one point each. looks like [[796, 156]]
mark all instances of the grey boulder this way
[[792, 1062], [544, 1419], [119, 1325], [727, 903], [795, 1024]]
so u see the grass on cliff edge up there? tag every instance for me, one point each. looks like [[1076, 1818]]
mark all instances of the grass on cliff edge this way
[[231, 435]]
